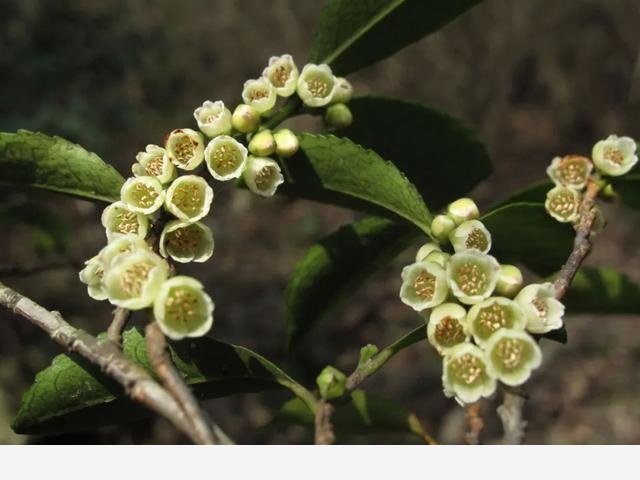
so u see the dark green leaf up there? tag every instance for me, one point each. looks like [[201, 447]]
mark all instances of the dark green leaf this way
[[30, 159], [602, 290], [534, 193], [362, 414], [353, 34], [628, 187], [335, 267], [72, 394], [336, 170], [437, 153], [48, 231], [523, 233]]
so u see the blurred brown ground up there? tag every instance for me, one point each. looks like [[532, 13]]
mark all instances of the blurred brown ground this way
[[535, 78]]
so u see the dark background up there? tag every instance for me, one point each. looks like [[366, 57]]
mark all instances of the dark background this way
[[535, 78]]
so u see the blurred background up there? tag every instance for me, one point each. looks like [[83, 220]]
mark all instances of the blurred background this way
[[534, 78]]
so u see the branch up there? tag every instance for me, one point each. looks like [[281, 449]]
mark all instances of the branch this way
[[476, 424], [323, 426], [510, 411], [120, 318], [135, 380], [173, 382]]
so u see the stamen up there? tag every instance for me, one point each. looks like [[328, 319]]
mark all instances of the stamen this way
[[613, 155], [477, 239], [183, 305], [493, 317], [468, 367], [318, 87], [449, 332], [541, 307], [263, 177], [154, 166], [134, 278], [425, 285], [225, 158], [144, 195], [280, 75], [188, 198], [126, 222], [510, 352], [185, 149], [562, 203], [471, 279]]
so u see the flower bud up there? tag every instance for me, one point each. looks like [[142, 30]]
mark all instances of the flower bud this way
[[542, 311], [316, 85], [510, 281], [511, 356], [424, 285], [462, 210], [262, 144], [213, 118], [344, 91], [92, 276], [563, 204], [260, 94], [465, 375], [262, 176], [142, 194], [570, 171], [472, 276], [493, 314], [441, 258], [441, 227], [447, 327], [599, 221], [367, 353], [287, 143], [155, 162], [186, 148], [225, 157], [183, 309], [118, 219], [425, 250], [615, 156], [186, 242], [120, 245], [471, 234], [245, 118], [331, 383], [338, 116], [134, 279], [189, 198], [283, 74]]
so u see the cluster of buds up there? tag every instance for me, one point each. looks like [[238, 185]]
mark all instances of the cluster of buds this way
[[479, 316], [158, 218], [614, 156]]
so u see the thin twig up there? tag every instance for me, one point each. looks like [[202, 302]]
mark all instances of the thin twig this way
[[173, 382], [120, 318], [476, 424], [510, 411], [137, 383], [323, 427]]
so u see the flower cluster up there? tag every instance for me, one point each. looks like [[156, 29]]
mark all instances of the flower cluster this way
[[480, 319], [159, 215], [614, 156]]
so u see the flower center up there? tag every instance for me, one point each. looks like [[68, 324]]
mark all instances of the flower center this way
[[134, 278], [225, 158], [258, 94], [572, 170], [280, 75], [510, 352], [472, 280], [449, 332], [541, 307], [263, 177], [182, 305], [188, 198], [154, 166], [563, 203], [468, 368], [127, 222], [492, 317], [477, 239], [185, 149], [144, 195], [212, 117], [613, 155], [186, 238], [318, 87], [425, 285]]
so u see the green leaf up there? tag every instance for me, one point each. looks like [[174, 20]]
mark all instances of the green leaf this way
[[353, 34], [336, 170], [534, 193], [437, 153], [362, 414], [628, 188], [335, 267], [602, 290], [72, 394], [30, 159], [48, 231], [523, 233]]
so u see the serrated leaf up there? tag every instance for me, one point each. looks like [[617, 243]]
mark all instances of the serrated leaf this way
[[437, 153], [523, 233], [628, 188], [73, 395], [335, 170], [602, 290], [29, 159], [335, 267], [48, 231], [353, 34], [362, 414]]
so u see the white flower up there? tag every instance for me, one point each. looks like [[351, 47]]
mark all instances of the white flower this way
[[472, 276], [245, 118], [462, 210], [542, 310], [142, 194], [316, 85], [510, 281], [425, 250], [225, 157], [92, 276], [260, 94], [493, 314], [213, 118], [154, 161], [465, 375], [186, 242], [563, 204], [262, 176], [570, 171], [344, 91], [471, 234], [118, 219], [186, 148], [615, 156], [120, 245], [511, 356], [283, 74], [424, 285], [189, 198], [447, 327]]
